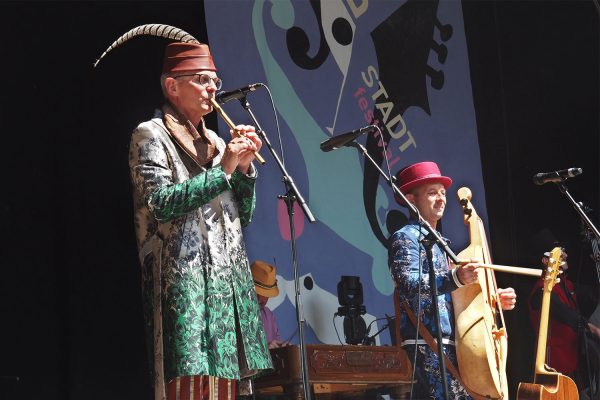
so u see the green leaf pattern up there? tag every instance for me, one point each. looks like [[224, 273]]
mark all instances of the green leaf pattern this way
[[188, 223]]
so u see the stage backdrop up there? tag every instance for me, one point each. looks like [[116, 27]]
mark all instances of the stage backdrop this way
[[331, 67]]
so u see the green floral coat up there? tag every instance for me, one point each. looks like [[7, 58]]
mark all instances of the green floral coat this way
[[195, 273]]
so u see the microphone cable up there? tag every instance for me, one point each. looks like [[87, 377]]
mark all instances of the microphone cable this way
[[336, 330], [276, 124]]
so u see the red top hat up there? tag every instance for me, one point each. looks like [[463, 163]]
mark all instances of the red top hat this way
[[181, 57], [419, 174]]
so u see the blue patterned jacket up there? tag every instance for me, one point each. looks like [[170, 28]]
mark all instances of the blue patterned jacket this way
[[406, 253]]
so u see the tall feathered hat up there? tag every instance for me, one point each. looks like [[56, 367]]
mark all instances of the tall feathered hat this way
[[186, 54]]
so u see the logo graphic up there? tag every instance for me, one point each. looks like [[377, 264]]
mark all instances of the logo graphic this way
[[332, 67]]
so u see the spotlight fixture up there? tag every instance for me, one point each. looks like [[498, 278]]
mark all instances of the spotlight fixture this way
[[350, 297]]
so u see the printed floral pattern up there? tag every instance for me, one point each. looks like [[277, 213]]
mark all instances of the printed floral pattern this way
[[429, 377], [405, 254], [195, 273]]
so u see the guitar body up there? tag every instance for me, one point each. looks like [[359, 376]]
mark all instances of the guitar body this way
[[553, 386]]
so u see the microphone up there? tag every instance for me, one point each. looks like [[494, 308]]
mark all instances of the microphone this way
[[556, 176], [338, 141], [223, 97]]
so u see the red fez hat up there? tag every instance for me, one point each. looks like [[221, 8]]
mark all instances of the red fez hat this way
[[419, 174], [180, 57]]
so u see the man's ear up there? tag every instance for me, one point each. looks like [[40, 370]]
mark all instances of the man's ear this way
[[410, 197], [171, 86]]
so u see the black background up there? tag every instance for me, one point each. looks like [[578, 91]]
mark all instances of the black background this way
[[71, 323]]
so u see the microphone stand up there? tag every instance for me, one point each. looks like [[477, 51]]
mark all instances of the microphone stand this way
[[430, 240], [586, 220], [428, 243], [292, 195], [591, 228]]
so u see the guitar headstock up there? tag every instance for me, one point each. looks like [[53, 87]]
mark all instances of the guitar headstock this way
[[557, 258]]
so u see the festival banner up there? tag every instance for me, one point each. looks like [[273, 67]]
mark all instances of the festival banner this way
[[332, 66]]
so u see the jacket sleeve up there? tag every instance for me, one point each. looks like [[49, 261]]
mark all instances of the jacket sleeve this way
[[152, 178], [447, 282], [558, 310], [245, 194]]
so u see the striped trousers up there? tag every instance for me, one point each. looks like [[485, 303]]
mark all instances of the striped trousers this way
[[201, 388]]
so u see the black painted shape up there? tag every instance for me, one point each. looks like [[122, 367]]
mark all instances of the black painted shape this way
[[342, 31], [403, 43], [298, 44]]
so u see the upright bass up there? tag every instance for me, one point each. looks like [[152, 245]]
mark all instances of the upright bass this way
[[481, 344]]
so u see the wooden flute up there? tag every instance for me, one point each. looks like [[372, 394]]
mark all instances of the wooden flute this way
[[231, 125]]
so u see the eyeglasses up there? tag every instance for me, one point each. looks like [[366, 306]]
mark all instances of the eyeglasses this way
[[204, 80]]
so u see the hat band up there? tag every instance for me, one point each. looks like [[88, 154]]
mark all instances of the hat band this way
[[262, 285]]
